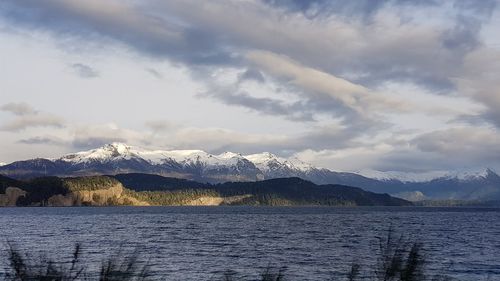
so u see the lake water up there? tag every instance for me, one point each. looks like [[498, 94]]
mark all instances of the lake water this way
[[200, 243]]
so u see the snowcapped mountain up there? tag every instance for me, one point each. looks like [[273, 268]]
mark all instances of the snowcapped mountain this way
[[403, 176], [194, 164], [273, 166], [469, 174], [198, 165], [462, 174], [2, 164], [116, 158], [116, 152]]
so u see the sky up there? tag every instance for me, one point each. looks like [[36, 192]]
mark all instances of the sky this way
[[399, 85]]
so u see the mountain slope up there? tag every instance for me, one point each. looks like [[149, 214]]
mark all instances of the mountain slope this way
[[296, 191], [142, 189], [118, 158], [197, 165]]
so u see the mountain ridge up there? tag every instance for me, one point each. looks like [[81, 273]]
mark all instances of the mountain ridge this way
[[198, 165]]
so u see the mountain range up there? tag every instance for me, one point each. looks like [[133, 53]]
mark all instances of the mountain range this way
[[198, 165]]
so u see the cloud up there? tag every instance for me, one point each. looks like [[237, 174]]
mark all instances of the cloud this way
[[346, 159], [269, 106], [251, 74], [441, 150], [321, 93], [481, 83], [314, 93], [38, 120], [92, 136], [42, 140], [84, 70], [321, 85], [27, 117], [392, 45], [158, 126], [334, 60], [464, 143], [19, 109], [167, 135], [395, 45], [154, 73], [218, 140], [139, 26], [364, 9]]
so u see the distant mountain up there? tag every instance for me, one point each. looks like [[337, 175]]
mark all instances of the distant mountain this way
[[484, 185], [200, 166], [145, 189], [197, 165]]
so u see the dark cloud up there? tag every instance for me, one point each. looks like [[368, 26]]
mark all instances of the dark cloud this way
[[138, 26], [310, 94], [42, 140], [269, 106], [252, 75], [418, 56], [360, 8], [28, 121], [481, 84], [27, 117], [493, 115], [155, 73], [216, 33], [450, 149], [84, 70], [477, 8], [463, 37]]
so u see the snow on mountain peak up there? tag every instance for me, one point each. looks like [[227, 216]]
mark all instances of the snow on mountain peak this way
[[296, 163], [2, 164], [106, 152], [261, 158], [119, 147], [266, 161], [402, 176], [114, 151], [228, 155], [470, 174], [270, 165], [462, 174]]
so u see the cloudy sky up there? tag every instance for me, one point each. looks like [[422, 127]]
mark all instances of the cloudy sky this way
[[397, 85]]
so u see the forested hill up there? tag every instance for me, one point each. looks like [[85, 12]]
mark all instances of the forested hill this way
[[144, 189], [282, 191]]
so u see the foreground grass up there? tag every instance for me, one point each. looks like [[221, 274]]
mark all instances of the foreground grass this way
[[397, 260]]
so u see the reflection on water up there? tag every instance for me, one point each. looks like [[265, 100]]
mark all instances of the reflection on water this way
[[313, 243]]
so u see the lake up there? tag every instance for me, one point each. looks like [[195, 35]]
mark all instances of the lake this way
[[313, 243]]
